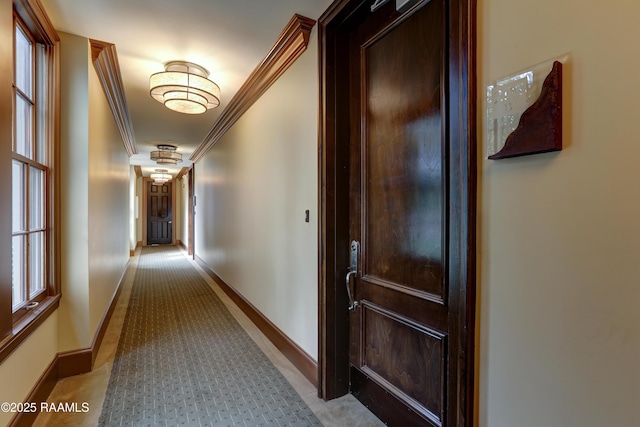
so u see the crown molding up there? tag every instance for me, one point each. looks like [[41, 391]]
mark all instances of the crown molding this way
[[291, 43], [182, 172], [105, 61], [36, 19]]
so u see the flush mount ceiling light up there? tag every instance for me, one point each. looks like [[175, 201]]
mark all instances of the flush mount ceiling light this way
[[185, 88], [166, 155], [160, 175]]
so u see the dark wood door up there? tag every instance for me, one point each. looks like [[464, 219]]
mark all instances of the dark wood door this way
[[159, 214], [399, 203]]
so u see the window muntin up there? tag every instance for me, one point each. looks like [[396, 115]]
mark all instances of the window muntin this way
[[43, 82]]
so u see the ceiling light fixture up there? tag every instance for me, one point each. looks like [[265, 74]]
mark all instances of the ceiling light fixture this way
[[185, 88], [160, 176], [166, 155]]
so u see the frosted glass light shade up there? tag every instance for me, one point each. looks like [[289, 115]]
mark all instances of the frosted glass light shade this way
[[185, 88], [166, 155], [159, 176], [166, 161]]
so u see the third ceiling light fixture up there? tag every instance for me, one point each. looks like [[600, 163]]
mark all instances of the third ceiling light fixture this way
[[161, 176]]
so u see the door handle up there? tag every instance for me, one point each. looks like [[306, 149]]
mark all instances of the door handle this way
[[352, 271], [352, 304]]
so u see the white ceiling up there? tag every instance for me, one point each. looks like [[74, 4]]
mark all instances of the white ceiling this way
[[227, 37]]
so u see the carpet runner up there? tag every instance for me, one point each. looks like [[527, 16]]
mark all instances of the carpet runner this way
[[183, 359]]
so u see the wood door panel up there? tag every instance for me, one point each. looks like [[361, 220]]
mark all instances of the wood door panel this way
[[407, 358], [164, 206], [428, 312], [403, 154], [154, 205]]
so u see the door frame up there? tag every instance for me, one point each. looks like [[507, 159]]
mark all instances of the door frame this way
[[333, 164], [191, 212], [145, 180]]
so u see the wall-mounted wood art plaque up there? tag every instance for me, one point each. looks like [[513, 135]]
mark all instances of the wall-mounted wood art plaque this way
[[524, 112]]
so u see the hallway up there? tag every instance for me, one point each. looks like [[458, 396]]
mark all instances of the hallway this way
[[548, 291], [169, 267]]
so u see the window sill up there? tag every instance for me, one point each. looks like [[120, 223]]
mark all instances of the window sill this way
[[27, 324]]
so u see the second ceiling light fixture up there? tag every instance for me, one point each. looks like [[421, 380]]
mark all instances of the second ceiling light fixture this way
[[166, 155]]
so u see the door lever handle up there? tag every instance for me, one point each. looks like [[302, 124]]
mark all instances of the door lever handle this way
[[352, 271], [352, 304]]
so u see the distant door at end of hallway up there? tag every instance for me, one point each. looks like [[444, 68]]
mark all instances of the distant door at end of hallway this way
[[159, 214]]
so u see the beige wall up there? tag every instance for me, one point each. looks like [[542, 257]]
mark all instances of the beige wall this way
[[95, 203], [252, 190], [109, 194], [23, 368], [74, 157], [559, 234]]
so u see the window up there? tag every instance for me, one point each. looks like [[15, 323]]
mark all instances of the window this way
[[30, 130], [30, 174]]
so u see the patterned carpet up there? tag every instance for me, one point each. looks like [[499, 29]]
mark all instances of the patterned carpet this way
[[183, 360]]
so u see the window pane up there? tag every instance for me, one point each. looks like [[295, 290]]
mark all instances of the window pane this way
[[24, 62], [18, 196], [36, 198], [36, 263], [41, 104], [23, 126], [18, 268]]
